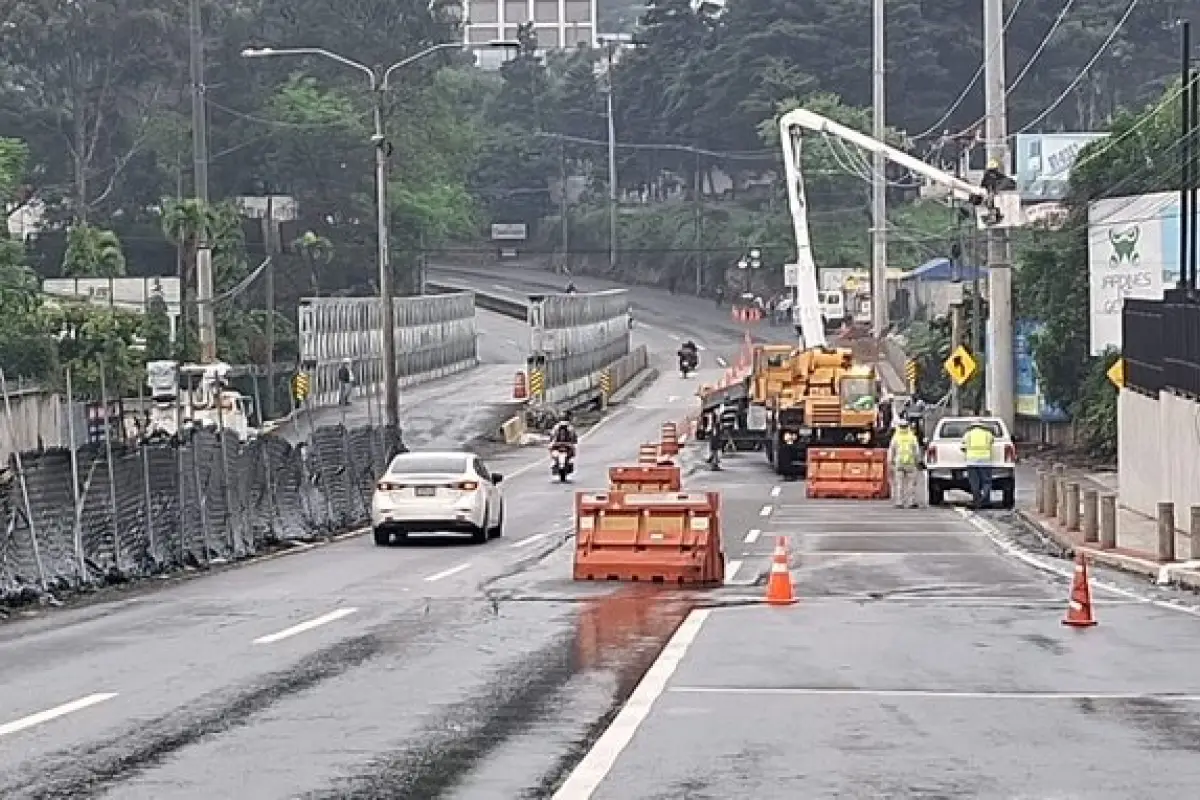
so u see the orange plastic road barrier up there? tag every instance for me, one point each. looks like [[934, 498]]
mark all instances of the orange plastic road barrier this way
[[657, 478], [1079, 609], [848, 472], [648, 454], [779, 584], [666, 537], [520, 386], [669, 444]]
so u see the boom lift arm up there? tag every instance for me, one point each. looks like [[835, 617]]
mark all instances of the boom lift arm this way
[[791, 125]]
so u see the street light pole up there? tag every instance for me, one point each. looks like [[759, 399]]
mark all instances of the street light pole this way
[[379, 86]]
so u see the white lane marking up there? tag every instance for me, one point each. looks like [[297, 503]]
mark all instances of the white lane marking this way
[[673, 398], [324, 619], [882, 534], [752, 536], [765, 511], [731, 569], [528, 540], [446, 573], [776, 491], [501, 287], [721, 362], [18, 725], [895, 553], [932, 695], [595, 766], [1065, 572]]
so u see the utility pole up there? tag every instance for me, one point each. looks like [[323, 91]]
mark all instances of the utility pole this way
[[698, 198], [563, 207], [612, 162], [206, 319], [391, 391], [1187, 210], [1194, 125], [956, 312], [1000, 354], [270, 245], [879, 300]]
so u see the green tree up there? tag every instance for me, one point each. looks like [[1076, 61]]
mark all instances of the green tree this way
[[156, 329], [93, 253], [92, 338]]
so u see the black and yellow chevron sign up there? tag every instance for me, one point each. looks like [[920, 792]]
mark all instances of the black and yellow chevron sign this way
[[911, 373], [300, 387], [537, 383], [606, 383]]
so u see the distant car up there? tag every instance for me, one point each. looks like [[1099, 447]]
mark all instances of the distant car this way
[[444, 492], [946, 464]]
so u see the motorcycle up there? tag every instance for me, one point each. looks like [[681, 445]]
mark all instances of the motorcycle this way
[[562, 462], [688, 361]]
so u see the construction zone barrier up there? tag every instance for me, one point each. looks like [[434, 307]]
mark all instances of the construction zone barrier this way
[[657, 537], [520, 386], [657, 478], [852, 473], [648, 454], [669, 439]]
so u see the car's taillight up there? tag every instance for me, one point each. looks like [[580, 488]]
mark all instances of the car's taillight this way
[[931, 455], [1010, 453], [466, 486], [388, 486]]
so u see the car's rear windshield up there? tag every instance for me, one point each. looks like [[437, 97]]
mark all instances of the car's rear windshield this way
[[419, 463], [956, 430]]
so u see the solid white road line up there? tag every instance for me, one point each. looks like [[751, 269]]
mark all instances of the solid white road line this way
[[873, 553], [595, 766], [18, 725], [775, 491], [324, 619], [765, 511], [731, 569], [752, 536], [932, 695], [528, 540], [446, 573]]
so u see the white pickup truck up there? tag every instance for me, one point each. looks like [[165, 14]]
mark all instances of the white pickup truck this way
[[946, 463]]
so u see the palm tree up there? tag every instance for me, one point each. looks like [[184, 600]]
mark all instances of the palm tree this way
[[93, 253], [315, 250], [183, 222]]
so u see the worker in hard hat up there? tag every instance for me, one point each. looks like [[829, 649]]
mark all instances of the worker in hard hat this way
[[904, 456]]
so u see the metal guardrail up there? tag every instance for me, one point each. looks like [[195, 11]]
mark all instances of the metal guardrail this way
[[488, 302]]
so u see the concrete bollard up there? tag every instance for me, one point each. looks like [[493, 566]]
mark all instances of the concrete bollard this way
[[1195, 531], [1108, 521], [1039, 502], [1072, 504], [1091, 516], [1051, 490], [1060, 494], [1166, 532]]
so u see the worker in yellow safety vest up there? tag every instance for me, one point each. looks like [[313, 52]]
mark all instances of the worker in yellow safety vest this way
[[904, 454], [977, 448]]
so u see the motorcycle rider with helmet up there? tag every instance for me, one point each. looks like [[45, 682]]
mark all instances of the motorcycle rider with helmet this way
[[689, 355]]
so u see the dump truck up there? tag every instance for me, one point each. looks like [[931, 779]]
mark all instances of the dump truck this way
[[817, 398]]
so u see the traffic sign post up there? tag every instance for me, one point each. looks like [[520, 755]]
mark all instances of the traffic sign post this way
[[911, 373], [960, 366]]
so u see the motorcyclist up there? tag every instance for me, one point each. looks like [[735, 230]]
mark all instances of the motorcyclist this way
[[571, 288], [563, 436]]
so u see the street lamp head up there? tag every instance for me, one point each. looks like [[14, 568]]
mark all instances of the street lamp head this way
[[755, 254], [742, 263], [257, 52]]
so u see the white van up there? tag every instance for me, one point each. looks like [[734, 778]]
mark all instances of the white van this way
[[833, 308]]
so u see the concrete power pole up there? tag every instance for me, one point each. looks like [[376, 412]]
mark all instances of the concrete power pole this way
[[1000, 345], [879, 300], [205, 314], [612, 160]]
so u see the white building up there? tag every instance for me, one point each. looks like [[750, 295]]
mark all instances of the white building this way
[[557, 23]]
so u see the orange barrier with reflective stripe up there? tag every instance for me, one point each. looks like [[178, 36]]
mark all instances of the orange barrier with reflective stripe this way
[[653, 537], [657, 478], [669, 439], [856, 473], [520, 387], [648, 454]]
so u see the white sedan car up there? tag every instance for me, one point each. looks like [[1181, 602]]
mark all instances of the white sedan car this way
[[437, 493]]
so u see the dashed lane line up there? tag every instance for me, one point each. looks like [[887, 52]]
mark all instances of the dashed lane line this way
[[776, 490], [304, 627], [752, 536], [731, 570], [32, 720], [528, 540], [765, 511], [446, 573]]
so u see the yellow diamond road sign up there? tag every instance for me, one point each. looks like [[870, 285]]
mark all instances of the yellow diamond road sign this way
[[960, 366], [1116, 373]]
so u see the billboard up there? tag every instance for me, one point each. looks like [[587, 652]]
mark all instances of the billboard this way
[[1044, 162], [1030, 402], [1133, 251]]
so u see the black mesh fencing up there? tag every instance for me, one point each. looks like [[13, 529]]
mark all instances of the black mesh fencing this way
[[201, 500]]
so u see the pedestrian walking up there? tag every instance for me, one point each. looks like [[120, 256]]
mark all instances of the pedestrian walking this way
[[345, 382], [904, 456], [977, 448], [716, 440]]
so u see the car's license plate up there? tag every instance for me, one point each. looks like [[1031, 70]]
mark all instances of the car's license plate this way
[[426, 491]]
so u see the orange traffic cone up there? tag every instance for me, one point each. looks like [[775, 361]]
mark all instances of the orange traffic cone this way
[[779, 585], [1079, 610]]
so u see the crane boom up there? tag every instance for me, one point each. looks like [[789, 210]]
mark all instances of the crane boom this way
[[807, 309]]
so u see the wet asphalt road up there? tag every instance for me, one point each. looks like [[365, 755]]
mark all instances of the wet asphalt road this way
[[924, 660], [349, 671]]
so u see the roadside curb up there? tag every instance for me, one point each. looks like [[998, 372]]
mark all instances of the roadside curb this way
[[1174, 573]]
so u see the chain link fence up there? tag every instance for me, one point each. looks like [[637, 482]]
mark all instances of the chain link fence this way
[[73, 520]]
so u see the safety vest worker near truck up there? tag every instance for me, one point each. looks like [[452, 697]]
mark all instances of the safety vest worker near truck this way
[[904, 453], [977, 447]]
